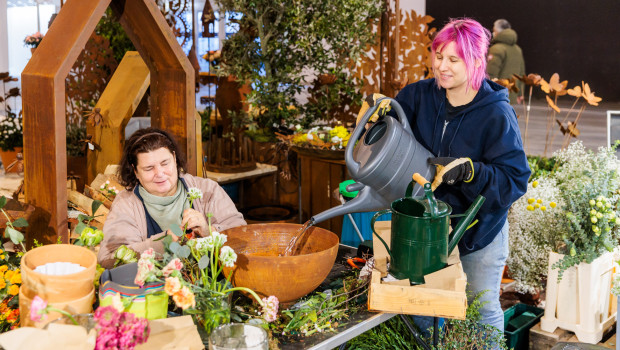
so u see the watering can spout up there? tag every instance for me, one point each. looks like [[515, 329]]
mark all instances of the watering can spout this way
[[366, 200], [462, 226]]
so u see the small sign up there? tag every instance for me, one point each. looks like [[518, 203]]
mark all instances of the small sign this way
[[613, 129]]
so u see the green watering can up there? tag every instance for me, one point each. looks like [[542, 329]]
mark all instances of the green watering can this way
[[421, 241]]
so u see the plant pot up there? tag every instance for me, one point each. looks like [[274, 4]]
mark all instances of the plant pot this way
[[238, 336], [80, 305], [580, 302], [9, 157], [62, 288]]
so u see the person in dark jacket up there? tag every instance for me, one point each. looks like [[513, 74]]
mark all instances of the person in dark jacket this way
[[467, 121], [505, 56]]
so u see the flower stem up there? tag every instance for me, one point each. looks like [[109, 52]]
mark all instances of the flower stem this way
[[64, 313], [258, 299]]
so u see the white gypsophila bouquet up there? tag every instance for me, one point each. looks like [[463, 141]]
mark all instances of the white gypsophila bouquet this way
[[530, 219], [589, 183]]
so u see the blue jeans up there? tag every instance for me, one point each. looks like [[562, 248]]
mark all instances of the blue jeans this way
[[484, 270]]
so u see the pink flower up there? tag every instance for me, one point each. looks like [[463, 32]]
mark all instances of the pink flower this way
[[270, 308], [107, 316], [148, 254], [174, 265], [146, 270], [38, 309]]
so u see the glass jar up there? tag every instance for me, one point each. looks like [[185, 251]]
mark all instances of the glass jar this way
[[238, 336], [214, 311]]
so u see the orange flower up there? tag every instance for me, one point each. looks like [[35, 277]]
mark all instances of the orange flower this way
[[14, 290], [173, 285], [184, 298], [589, 96], [3, 268], [9, 274], [554, 86], [2, 284], [16, 279], [12, 317]]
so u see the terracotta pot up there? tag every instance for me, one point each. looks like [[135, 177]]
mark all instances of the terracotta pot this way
[[63, 288], [289, 278], [81, 305], [8, 157]]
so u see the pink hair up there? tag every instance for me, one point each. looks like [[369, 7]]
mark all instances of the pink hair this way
[[472, 43]]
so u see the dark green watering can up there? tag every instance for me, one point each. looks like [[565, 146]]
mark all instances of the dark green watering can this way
[[421, 241]]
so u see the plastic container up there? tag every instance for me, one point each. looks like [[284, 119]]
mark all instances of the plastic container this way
[[517, 323]]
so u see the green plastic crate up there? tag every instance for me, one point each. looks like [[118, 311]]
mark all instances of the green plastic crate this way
[[517, 323]]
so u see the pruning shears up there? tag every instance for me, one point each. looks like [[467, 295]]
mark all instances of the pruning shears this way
[[353, 262]]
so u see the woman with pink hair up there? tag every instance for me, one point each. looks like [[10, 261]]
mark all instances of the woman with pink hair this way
[[467, 122]]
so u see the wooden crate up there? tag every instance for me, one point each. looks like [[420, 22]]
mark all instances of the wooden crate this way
[[442, 295]]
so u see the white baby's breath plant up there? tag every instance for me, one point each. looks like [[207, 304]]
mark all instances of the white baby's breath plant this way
[[530, 219]]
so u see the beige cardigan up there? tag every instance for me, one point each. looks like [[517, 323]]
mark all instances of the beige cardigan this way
[[126, 222]]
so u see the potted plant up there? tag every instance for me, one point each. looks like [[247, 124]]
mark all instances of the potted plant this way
[[280, 50], [11, 133]]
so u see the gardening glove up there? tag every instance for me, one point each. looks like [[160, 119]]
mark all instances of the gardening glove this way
[[384, 107], [452, 170]]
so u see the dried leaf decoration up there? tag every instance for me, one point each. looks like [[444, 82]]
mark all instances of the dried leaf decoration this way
[[576, 91], [553, 105], [530, 79], [589, 96], [94, 118], [554, 87], [570, 129], [508, 84]]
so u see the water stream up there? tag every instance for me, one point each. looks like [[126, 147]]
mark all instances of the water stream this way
[[293, 247]]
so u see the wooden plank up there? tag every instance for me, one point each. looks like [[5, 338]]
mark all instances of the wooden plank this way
[[86, 204], [172, 75], [306, 191], [117, 104], [43, 100]]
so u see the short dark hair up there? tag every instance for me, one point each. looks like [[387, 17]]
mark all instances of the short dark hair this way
[[143, 141], [501, 24]]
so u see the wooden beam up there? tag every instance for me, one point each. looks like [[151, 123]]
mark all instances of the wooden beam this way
[[43, 100], [117, 105], [172, 75]]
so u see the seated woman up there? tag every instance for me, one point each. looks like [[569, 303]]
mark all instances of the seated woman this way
[[155, 198]]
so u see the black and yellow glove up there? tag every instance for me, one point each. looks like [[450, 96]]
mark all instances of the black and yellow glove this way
[[451, 170], [384, 107]]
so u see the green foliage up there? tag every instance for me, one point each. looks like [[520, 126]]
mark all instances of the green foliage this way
[[205, 123], [279, 45], [75, 135], [109, 27], [541, 166], [10, 231], [11, 127]]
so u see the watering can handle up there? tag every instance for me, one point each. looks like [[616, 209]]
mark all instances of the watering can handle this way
[[428, 191], [372, 225], [354, 166]]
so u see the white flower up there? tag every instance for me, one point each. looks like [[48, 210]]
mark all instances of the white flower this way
[[194, 193], [298, 127], [218, 238], [309, 136], [336, 139], [228, 256], [204, 244]]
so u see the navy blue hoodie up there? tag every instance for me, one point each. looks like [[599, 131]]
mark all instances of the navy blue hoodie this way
[[488, 133]]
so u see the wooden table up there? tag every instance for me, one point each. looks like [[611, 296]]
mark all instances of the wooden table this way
[[261, 170]]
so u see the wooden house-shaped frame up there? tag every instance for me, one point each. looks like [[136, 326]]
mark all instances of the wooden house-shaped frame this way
[[43, 97]]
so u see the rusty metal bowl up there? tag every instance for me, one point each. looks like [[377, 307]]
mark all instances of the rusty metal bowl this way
[[260, 268]]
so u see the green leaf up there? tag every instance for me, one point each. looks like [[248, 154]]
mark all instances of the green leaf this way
[[174, 247], [203, 262], [20, 222], [79, 243], [176, 229], [80, 227], [2, 201], [183, 252], [96, 205], [15, 236]]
